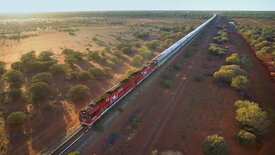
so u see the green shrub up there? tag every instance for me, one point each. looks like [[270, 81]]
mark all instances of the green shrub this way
[[14, 94], [40, 66], [245, 137], [127, 50], [145, 52], [177, 67], [95, 55], [198, 78], [45, 56], [17, 66], [74, 153], [251, 117], [107, 71], [166, 83], [73, 54], [233, 59], [99, 127], [2, 67], [141, 35], [74, 75], [14, 78], [227, 72], [39, 91], [215, 145], [168, 42], [27, 58], [129, 72], [16, 117], [240, 82], [97, 72], [153, 45], [78, 92], [70, 61], [84, 76], [58, 69], [137, 60], [42, 77], [115, 60], [214, 49]]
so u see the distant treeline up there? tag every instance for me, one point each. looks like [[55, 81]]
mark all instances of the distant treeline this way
[[250, 14], [131, 14]]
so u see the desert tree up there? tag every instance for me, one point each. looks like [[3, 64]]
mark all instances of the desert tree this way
[[78, 93], [14, 78], [39, 91]]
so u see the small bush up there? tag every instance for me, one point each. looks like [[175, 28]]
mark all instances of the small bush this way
[[78, 92], [39, 66], [39, 91], [74, 75], [58, 69], [233, 59], [227, 72], [215, 145], [98, 72], [73, 54], [95, 55], [251, 117], [214, 49], [14, 78], [107, 71], [17, 66], [70, 61], [84, 76], [115, 60], [14, 94], [16, 117], [45, 56], [166, 83], [129, 72], [177, 67], [245, 137], [153, 45], [42, 77], [137, 60], [2, 67], [240, 82], [99, 127], [127, 50], [198, 78], [74, 153]]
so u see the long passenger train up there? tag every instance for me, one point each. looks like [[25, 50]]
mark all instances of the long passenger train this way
[[90, 114]]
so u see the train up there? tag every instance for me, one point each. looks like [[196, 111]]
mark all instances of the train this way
[[93, 111]]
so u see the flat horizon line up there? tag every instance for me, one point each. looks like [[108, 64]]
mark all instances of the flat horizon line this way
[[72, 11]]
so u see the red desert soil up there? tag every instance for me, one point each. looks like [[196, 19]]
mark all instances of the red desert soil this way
[[56, 122], [44, 128], [181, 117]]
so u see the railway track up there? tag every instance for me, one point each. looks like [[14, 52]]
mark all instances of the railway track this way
[[70, 141]]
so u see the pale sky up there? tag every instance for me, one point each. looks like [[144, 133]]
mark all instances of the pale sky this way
[[16, 6]]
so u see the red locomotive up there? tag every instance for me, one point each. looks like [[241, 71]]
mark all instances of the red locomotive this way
[[101, 105]]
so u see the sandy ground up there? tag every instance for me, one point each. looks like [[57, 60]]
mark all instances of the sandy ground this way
[[181, 117], [11, 51], [56, 41], [47, 124]]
